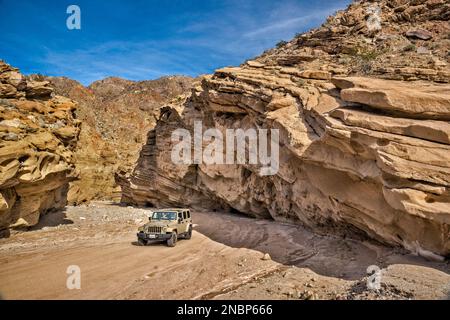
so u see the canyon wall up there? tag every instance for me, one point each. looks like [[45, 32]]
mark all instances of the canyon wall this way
[[363, 112], [38, 135], [61, 143]]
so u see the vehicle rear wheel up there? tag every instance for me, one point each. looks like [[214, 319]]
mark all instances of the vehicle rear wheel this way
[[142, 242], [189, 233], [173, 240]]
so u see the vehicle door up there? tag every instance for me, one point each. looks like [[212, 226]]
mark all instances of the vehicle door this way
[[181, 222], [189, 218], [185, 221]]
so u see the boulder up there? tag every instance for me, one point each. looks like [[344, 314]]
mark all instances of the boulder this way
[[419, 34], [415, 100], [38, 89]]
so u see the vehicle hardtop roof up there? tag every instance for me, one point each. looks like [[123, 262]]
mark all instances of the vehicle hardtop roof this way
[[170, 209]]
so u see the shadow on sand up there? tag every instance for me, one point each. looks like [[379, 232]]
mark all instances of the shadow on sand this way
[[52, 218], [288, 244]]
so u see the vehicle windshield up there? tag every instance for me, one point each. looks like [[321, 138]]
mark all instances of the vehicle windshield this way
[[164, 215]]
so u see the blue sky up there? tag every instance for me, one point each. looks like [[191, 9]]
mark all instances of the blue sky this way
[[140, 40]]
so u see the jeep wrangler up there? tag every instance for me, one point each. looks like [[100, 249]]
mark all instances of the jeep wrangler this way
[[166, 225]]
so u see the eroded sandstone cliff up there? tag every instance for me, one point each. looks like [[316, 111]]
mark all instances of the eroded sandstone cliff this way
[[38, 134], [363, 110]]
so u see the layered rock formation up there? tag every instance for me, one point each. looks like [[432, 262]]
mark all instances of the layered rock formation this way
[[362, 105], [116, 115], [38, 134]]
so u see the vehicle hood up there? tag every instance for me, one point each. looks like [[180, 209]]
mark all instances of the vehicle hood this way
[[159, 224]]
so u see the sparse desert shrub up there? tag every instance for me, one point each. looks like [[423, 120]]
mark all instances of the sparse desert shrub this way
[[281, 43], [366, 67], [369, 55], [409, 47], [352, 51], [6, 103], [299, 82], [433, 45], [37, 77]]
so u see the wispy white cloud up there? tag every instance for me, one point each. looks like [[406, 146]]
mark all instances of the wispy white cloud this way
[[288, 25], [225, 36]]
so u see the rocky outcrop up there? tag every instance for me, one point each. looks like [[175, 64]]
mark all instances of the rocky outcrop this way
[[116, 115], [38, 133], [364, 131]]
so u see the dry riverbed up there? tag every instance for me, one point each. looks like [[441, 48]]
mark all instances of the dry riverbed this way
[[227, 258]]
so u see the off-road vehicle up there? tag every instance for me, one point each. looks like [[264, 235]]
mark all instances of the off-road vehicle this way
[[166, 225]]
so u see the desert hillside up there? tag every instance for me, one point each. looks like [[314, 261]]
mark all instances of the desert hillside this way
[[115, 116]]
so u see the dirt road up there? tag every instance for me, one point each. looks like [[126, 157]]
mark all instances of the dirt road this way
[[223, 260]]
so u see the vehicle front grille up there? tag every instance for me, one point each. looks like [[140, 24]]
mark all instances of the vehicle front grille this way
[[154, 229]]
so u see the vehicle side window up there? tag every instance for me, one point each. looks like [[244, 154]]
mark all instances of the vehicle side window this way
[[184, 215], [188, 214], [180, 216]]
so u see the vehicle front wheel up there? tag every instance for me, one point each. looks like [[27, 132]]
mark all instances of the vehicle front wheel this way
[[173, 240], [142, 242], [189, 233]]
